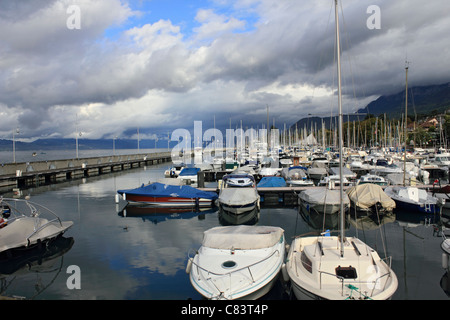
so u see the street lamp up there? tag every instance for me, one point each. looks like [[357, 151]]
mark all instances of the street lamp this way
[[114, 145], [76, 140]]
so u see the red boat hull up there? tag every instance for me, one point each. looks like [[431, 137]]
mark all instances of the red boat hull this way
[[167, 201]]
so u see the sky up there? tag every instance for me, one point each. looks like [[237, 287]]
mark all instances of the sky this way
[[108, 68]]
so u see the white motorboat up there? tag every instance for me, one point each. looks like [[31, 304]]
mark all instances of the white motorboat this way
[[237, 262], [317, 171], [238, 193], [414, 199], [25, 224], [269, 171], [322, 200], [334, 180], [442, 160], [373, 179], [296, 176], [346, 172], [175, 170], [445, 245], [189, 175], [338, 267]]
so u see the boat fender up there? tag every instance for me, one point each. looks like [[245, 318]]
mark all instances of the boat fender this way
[[444, 260], [287, 246], [117, 198], [284, 273], [189, 266]]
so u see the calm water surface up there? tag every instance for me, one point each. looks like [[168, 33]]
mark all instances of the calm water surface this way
[[142, 254]]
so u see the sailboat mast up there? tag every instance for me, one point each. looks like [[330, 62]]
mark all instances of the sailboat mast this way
[[406, 125], [341, 182]]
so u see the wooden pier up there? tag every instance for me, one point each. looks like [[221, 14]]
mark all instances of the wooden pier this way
[[22, 175]]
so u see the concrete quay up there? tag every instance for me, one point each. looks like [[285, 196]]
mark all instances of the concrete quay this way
[[22, 175]]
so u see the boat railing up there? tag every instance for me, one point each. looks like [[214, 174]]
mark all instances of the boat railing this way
[[351, 282], [230, 273], [17, 207]]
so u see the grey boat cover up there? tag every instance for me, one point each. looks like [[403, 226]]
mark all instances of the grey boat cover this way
[[317, 170], [366, 195], [242, 237], [238, 196], [345, 171], [323, 196]]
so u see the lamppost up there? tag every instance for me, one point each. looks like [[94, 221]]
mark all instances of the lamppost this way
[[76, 140], [14, 143], [114, 145]]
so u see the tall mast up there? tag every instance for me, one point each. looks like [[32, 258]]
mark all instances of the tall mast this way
[[406, 124], [341, 182]]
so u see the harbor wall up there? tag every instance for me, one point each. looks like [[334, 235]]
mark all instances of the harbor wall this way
[[38, 172]]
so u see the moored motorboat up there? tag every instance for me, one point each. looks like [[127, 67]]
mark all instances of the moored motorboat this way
[[370, 199], [189, 175], [26, 224], [373, 179], [413, 199], [160, 194], [238, 193], [322, 200], [296, 176], [237, 262]]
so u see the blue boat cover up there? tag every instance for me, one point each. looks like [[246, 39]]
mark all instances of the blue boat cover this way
[[267, 182], [164, 190], [297, 167], [189, 171]]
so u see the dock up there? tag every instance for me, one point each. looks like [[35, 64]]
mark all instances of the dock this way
[[27, 174]]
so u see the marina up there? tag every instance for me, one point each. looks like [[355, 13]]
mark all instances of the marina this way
[[141, 253], [346, 204]]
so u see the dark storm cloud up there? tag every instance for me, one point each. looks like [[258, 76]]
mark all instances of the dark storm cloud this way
[[49, 72]]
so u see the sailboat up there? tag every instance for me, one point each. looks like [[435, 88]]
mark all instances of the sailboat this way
[[338, 267], [409, 197]]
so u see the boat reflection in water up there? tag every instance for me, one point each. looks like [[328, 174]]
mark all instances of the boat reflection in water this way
[[157, 215], [38, 261], [246, 218]]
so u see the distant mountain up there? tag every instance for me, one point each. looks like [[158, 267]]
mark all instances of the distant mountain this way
[[423, 100]]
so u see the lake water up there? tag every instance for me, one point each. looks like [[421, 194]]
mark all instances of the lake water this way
[[142, 255]]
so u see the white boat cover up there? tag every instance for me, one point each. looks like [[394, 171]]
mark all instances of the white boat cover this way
[[242, 237], [346, 172], [238, 196], [410, 194], [397, 179], [15, 235], [366, 195], [322, 196]]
